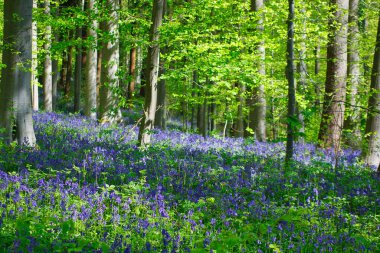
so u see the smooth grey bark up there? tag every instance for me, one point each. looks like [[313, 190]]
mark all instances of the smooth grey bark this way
[[91, 65], [139, 61], [291, 85], [240, 113], [317, 67], [161, 112], [353, 71], [302, 70], [15, 93], [48, 67], [35, 98], [109, 110], [193, 105], [150, 106], [372, 152], [335, 86], [257, 116], [204, 116], [78, 65]]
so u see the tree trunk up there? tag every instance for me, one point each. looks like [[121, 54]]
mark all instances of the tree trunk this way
[[291, 84], [353, 72], [335, 87], [15, 93], [193, 104], [258, 108], [372, 153], [317, 67], [55, 83], [132, 72], [91, 65], [62, 81], [204, 117], [241, 105], [48, 68], [150, 105], [109, 110], [160, 118], [139, 60], [78, 65], [69, 71], [35, 99], [302, 70]]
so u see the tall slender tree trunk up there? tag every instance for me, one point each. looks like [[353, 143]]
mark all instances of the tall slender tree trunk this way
[[372, 152], [160, 118], [15, 89], [241, 106], [150, 105], [302, 70], [35, 98], [69, 71], [48, 67], [258, 108], [353, 71], [91, 65], [335, 87], [78, 65], [204, 116], [132, 72], [62, 81], [193, 104], [55, 83], [291, 84], [161, 112], [317, 67], [109, 110], [139, 61]]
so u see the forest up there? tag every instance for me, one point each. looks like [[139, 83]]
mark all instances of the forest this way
[[190, 126]]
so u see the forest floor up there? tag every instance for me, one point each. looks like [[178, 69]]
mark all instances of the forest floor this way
[[89, 188]]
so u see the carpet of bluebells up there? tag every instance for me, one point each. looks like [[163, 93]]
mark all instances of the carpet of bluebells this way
[[89, 188]]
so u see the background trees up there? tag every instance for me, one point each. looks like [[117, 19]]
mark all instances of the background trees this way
[[222, 69], [15, 89]]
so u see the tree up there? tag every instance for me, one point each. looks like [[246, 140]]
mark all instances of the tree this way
[[335, 86], [160, 117], [91, 64], [372, 154], [35, 99], [48, 69], [15, 93], [78, 64], [353, 70], [291, 84], [108, 102], [150, 106], [258, 109]]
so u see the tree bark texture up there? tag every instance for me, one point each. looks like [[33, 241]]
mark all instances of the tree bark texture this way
[[108, 103], [15, 93], [150, 106], [78, 65], [353, 71], [335, 86], [48, 67], [240, 114], [291, 84], [132, 72], [258, 108], [91, 65], [372, 156], [35, 98]]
